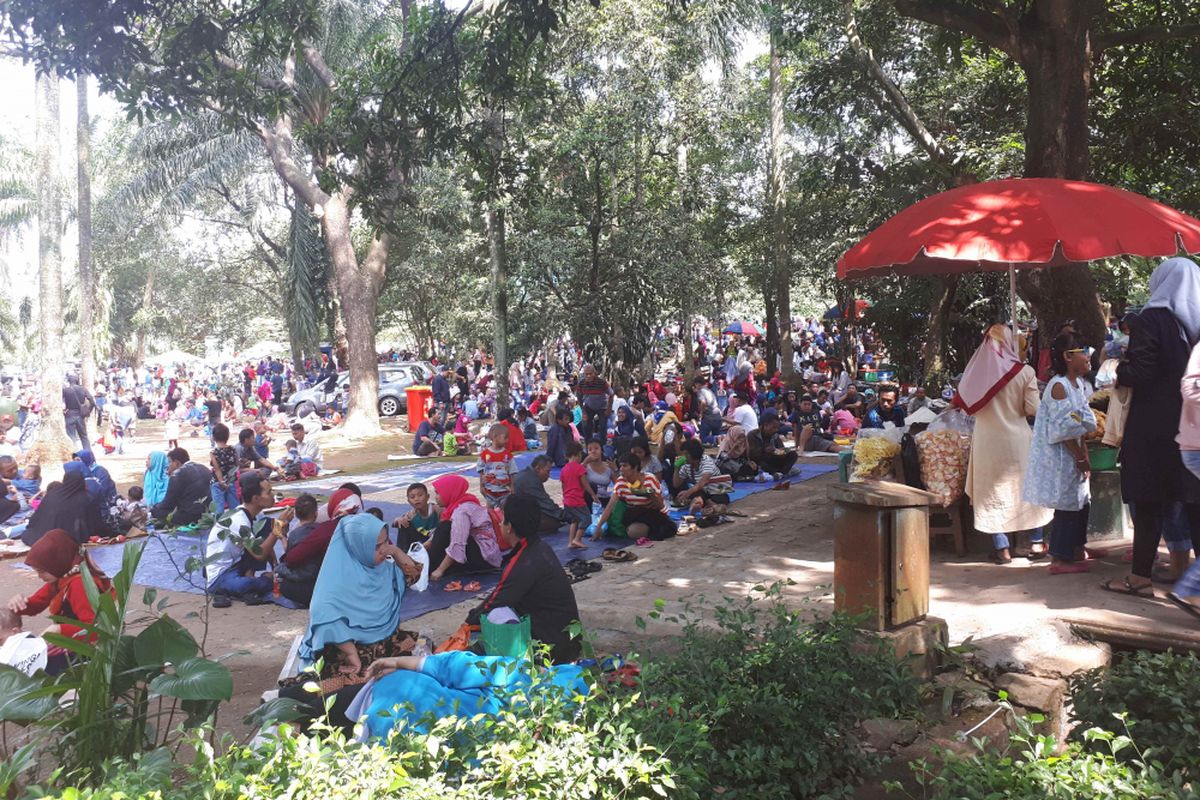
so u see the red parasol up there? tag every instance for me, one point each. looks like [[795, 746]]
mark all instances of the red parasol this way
[[1019, 223]]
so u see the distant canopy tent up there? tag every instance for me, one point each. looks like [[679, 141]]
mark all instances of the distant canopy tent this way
[[742, 328], [1019, 223], [838, 312], [172, 357]]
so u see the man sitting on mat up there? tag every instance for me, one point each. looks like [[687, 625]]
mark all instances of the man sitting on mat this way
[[533, 582]]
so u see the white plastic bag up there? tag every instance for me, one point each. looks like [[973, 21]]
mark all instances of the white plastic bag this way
[[1106, 376], [418, 554], [953, 419]]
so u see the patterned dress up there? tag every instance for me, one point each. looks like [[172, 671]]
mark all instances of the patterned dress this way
[[1051, 480]]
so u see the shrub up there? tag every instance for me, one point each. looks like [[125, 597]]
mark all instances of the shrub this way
[[543, 746], [1031, 768], [1157, 693], [779, 694]]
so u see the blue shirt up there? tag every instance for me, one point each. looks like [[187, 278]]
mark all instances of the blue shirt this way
[[877, 416]]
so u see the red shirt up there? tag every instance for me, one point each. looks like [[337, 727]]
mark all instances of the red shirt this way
[[572, 477], [516, 439], [74, 602]]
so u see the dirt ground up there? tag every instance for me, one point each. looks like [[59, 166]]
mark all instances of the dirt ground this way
[[1014, 614]]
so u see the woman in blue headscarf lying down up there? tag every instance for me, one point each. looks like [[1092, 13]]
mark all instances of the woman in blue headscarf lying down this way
[[418, 689]]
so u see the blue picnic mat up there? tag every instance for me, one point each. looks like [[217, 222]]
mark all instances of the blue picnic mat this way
[[382, 481], [164, 561]]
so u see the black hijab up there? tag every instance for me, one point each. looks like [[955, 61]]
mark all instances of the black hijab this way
[[69, 507]]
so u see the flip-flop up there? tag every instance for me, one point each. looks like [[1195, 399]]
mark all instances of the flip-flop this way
[[453, 586], [782, 485], [608, 553], [624, 555], [1096, 552], [1069, 569], [1190, 608], [645, 542], [473, 586], [1129, 589]]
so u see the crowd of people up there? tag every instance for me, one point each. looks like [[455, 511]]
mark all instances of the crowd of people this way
[[628, 454]]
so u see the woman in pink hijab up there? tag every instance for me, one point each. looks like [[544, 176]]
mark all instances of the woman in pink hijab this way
[[1001, 393], [465, 537]]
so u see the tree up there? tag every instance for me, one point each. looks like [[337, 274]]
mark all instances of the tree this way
[[385, 92], [52, 446], [1056, 44], [87, 281]]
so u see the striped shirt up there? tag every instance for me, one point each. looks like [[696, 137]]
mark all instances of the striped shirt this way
[[718, 482], [639, 494]]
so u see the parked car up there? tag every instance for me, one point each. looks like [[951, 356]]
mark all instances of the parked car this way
[[394, 379]]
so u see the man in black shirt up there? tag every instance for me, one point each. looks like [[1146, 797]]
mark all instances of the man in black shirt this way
[[77, 406], [188, 493], [809, 428], [533, 583]]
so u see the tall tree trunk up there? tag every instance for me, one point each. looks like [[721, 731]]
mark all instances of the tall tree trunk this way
[[87, 280], [498, 256], [359, 287], [781, 269], [337, 321], [139, 350], [768, 291], [52, 446], [940, 307], [1056, 56]]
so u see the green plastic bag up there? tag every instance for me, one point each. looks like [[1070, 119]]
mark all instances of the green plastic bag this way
[[510, 640]]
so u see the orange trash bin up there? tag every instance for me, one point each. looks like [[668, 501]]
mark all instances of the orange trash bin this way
[[419, 398]]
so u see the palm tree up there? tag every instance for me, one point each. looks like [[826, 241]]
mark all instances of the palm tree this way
[[87, 281], [52, 446]]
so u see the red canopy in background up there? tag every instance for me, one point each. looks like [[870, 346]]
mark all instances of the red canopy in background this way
[[1019, 223]]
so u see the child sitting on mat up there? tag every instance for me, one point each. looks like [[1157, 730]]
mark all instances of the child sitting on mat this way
[[30, 482], [420, 522]]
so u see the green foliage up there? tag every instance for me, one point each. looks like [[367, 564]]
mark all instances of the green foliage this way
[[1032, 768], [119, 696], [543, 746], [1155, 694], [779, 694]]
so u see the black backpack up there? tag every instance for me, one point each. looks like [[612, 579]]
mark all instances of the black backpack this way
[[911, 462]]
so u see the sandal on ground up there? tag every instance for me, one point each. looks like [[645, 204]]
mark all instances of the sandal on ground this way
[[609, 553], [1096, 552], [645, 541], [624, 555], [222, 601], [999, 558], [782, 485], [1144, 591], [473, 586], [453, 586], [1032, 555], [1068, 568], [1183, 603]]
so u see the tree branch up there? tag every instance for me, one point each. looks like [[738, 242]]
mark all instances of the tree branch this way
[[990, 28], [1163, 33], [905, 114], [262, 81], [316, 61]]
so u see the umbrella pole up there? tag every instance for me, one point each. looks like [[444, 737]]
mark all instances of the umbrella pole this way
[[1012, 295]]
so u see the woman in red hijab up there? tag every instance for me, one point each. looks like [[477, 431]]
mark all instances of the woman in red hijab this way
[[57, 559]]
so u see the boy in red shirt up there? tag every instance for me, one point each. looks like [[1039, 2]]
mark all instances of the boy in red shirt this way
[[577, 495]]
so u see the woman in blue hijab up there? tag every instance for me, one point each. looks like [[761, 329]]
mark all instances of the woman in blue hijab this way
[[154, 484], [100, 484], [354, 616]]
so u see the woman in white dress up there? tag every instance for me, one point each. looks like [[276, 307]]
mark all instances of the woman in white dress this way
[[1059, 468], [1001, 393]]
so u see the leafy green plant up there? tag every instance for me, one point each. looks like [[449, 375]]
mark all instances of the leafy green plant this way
[[544, 745], [1156, 694], [1032, 767], [123, 692], [779, 693]]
